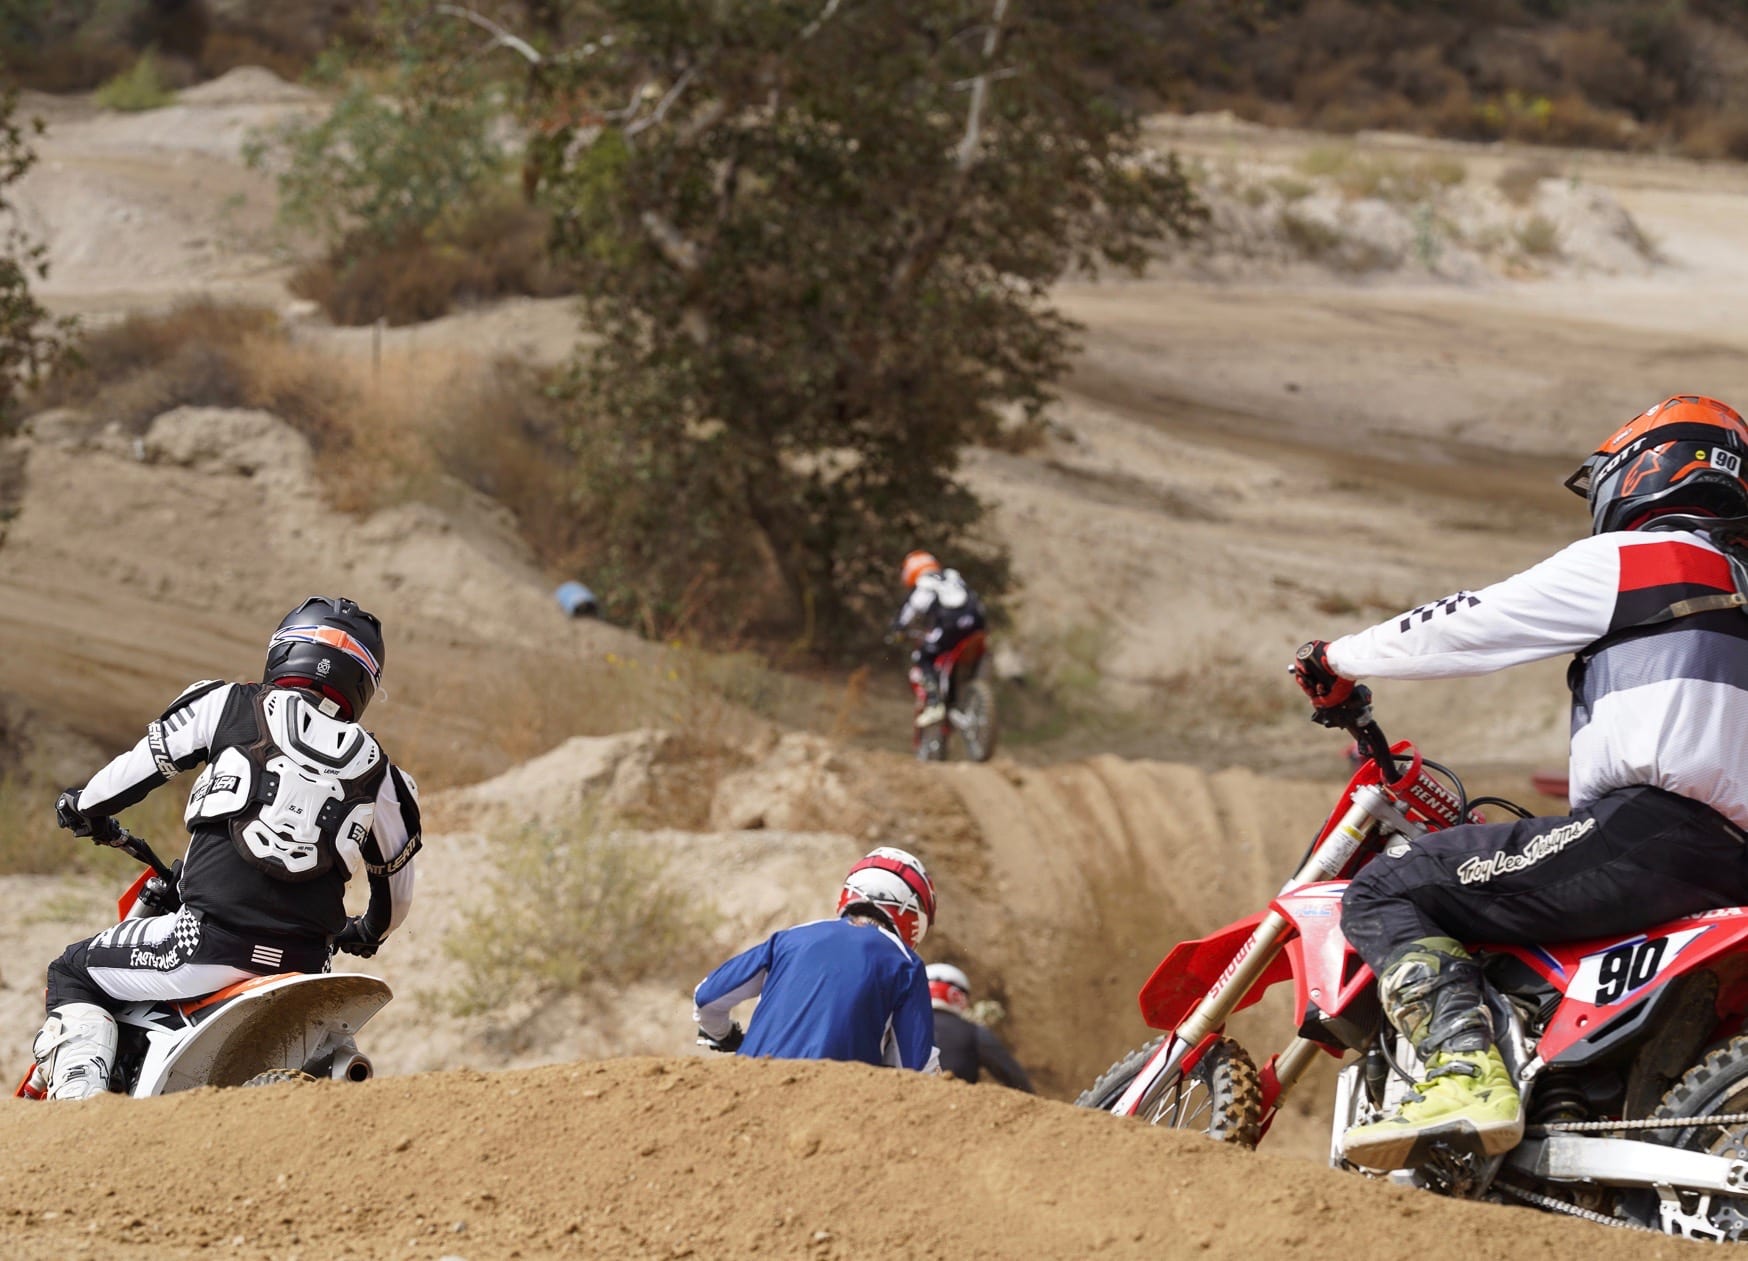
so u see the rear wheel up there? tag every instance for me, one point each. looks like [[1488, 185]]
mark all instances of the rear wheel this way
[[273, 1076], [975, 719], [1716, 1085], [1220, 1096]]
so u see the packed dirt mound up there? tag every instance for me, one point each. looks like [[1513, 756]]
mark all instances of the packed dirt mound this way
[[721, 1159]]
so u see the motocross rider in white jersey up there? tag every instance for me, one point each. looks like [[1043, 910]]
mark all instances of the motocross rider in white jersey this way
[[942, 610], [294, 799], [1651, 604]]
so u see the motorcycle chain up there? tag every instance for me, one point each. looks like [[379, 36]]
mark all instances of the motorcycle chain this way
[[1590, 1127], [1560, 1206], [1649, 1123]]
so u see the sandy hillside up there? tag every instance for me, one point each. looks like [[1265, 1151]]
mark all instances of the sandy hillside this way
[[725, 1159]]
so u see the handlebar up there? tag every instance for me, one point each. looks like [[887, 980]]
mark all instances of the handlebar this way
[[105, 826], [1354, 716]]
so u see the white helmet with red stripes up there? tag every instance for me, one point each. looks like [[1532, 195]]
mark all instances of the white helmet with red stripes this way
[[949, 988], [896, 886]]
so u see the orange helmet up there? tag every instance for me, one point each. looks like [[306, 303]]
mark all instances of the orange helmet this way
[[1685, 454], [917, 564]]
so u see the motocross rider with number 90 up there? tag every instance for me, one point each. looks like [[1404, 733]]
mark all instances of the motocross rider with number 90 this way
[[1652, 605], [295, 798]]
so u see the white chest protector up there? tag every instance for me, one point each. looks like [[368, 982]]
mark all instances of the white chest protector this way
[[297, 798]]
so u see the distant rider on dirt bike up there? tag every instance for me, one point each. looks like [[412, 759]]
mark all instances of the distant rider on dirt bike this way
[[1651, 606], [295, 798], [941, 611], [968, 1050], [850, 988]]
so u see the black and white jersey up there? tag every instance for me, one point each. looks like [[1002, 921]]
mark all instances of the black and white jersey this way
[[292, 803]]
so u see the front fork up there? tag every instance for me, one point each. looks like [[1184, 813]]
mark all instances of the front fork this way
[[1189, 1039]]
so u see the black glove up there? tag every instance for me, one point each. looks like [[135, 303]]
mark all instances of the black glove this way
[[101, 828], [68, 814], [356, 939], [1317, 678], [727, 1043]]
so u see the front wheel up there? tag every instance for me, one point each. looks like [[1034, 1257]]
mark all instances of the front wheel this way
[[1221, 1096], [975, 720]]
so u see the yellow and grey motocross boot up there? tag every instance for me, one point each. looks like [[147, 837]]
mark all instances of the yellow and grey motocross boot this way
[[1432, 993]]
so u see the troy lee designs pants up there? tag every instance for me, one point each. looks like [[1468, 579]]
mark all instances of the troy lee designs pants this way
[[1630, 859]]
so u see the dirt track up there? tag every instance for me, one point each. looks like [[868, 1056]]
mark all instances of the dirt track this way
[[718, 1159]]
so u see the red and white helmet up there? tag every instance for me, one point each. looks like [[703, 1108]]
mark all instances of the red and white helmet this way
[[896, 885], [949, 988]]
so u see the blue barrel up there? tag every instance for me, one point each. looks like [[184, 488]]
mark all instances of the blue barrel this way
[[577, 600]]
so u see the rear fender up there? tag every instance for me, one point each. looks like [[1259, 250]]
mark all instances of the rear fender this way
[[1193, 968], [285, 1022]]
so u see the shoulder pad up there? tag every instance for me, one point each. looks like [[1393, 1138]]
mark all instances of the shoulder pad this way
[[193, 692]]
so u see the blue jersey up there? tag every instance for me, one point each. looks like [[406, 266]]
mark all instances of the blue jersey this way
[[829, 990]]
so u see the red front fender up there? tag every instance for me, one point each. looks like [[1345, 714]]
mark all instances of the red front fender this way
[[1193, 968]]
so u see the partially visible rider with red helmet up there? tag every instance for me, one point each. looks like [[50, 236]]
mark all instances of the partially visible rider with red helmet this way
[[940, 612], [1651, 605], [295, 798], [847, 988]]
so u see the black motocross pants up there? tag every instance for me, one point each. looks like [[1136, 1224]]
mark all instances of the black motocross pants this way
[[1632, 858]]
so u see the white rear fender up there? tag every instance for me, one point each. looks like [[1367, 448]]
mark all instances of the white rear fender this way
[[285, 1022]]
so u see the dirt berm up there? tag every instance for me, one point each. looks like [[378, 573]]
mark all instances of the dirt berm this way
[[720, 1159]]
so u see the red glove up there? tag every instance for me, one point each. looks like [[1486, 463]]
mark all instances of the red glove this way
[[1317, 678]]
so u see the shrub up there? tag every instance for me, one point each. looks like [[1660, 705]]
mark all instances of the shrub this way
[[141, 367], [140, 87], [395, 155], [1311, 237], [33, 343], [1538, 237], [496, 249], [571, 905], [1520, 181], [388, 425], [73, 66]]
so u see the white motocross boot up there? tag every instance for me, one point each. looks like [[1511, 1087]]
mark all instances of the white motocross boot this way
[[76, 1049]]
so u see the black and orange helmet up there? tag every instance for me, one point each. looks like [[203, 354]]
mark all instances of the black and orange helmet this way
[[1684, 455]]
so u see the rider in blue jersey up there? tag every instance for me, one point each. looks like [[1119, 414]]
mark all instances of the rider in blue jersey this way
[[850, 988]]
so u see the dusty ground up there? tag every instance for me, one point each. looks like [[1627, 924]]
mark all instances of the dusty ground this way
[[725, 1159], [1236, 466]]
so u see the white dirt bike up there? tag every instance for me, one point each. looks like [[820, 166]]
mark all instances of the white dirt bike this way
[[285, 1027]]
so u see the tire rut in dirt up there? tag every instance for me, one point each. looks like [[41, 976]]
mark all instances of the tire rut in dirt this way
[[1225, 1077]]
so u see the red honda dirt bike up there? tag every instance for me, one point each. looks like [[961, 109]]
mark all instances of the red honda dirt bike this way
[[1629, 1052], [283, 1027], [970, 703]]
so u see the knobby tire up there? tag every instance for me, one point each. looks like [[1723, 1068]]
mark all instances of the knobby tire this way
[[1233, 1113]]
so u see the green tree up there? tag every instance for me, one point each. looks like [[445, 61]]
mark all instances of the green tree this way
[[817, 240], [32, 342]]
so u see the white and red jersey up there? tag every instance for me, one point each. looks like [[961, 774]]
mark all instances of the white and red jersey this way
[[1664, 705]]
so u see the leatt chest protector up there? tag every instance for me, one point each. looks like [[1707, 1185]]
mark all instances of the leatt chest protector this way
[[300, 795]]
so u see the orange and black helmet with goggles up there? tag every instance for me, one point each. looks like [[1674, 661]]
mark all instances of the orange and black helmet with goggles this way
[[1685, 455]]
